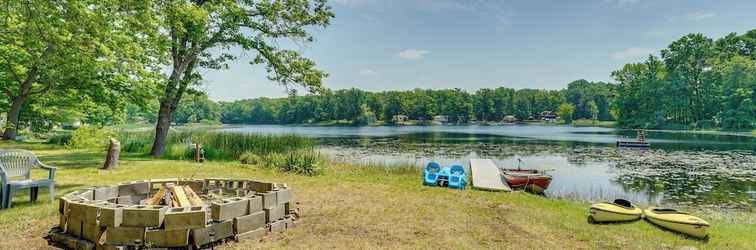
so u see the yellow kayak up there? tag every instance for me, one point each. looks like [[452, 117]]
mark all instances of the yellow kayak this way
[[677, 221], [617, 211]]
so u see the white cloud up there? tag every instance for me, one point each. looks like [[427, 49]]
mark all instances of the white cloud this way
[[412, 54], [632, 53], [368, 72], [698, 16]]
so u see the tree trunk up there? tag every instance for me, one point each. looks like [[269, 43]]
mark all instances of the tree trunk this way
[[114, 151], [165, 116], [177, 85], [12, 119]]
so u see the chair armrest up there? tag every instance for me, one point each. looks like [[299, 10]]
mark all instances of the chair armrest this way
[[3, 176], [3, 180], [50, 169]]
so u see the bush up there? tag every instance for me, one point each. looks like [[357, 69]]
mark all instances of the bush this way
[[90, 137], [304, 162], [136, 142], [250, 158], [60, 139], [177, 152], [135, 146]]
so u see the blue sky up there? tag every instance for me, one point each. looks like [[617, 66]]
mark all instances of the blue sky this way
[[405, 44]]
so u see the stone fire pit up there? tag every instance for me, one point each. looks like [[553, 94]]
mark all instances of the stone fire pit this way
[[124, 217]]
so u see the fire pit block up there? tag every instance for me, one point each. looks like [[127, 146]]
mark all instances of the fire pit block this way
[[111, 214], [134, 188], [269, 199], [252, 235], [214, 232], [84, 211], [130, 236], [185, 218], [74, 227], [260, 187], [255, 204], [278, 226], [91, 232], [104, 193], [283, 196], [275, 213], [229, 208], [248, 223], [167, 238], [144, 216]]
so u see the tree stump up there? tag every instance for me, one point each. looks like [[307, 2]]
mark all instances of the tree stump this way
[[114, 150]]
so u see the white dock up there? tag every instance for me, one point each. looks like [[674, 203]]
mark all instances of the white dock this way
[[486, 176]]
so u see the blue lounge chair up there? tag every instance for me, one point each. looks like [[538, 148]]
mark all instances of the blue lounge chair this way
[[430, 174], [457, 176], [443, 177]]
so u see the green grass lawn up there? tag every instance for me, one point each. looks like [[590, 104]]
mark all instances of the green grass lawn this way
[[359, 207]]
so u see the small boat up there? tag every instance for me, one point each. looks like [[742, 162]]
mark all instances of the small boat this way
[[618, 211], [532, 180], [457, 176], [677, 221], [430, 173]]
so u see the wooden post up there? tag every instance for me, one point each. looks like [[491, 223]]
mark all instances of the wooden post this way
[[114, 150], [197, 152]]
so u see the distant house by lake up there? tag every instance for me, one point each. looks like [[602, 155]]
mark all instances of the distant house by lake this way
[[441, 119], [548, 116], [399, 118], [509, 119]]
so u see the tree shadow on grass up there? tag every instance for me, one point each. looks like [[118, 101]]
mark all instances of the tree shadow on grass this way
[[79, 160], [74, 160]]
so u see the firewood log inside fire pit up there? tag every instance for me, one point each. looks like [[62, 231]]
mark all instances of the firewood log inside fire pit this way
[[172, 195]]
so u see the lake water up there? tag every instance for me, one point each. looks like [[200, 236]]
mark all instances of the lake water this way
[[684, 169]]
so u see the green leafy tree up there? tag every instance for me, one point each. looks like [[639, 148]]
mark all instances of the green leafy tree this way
[[566, 111], [197, 34], [395, 105], [738, 77], [687, 61], [197, 108], [593, 108], [70, 53], [698, 83]]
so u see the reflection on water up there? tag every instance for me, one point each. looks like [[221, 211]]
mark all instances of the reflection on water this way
[[681, 168]]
